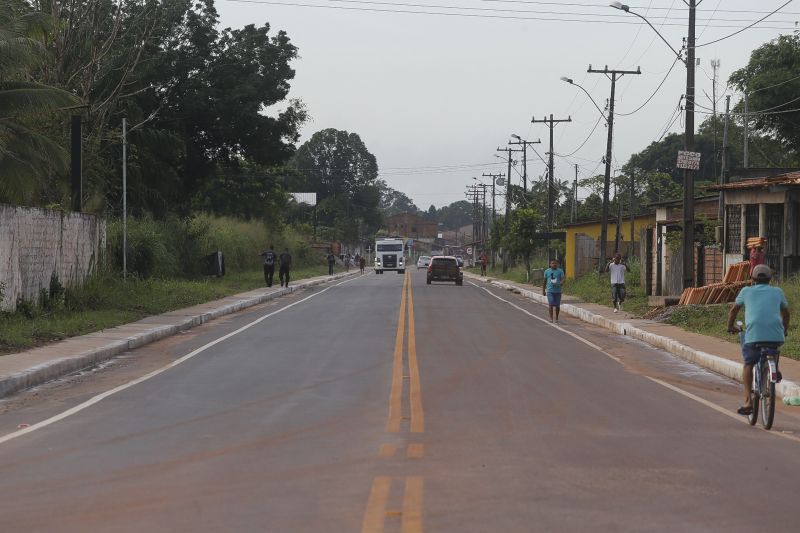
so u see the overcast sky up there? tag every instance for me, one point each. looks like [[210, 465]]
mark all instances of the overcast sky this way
[[434, 95]]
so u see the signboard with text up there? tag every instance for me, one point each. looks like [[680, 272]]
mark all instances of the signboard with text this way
[[689, 160]]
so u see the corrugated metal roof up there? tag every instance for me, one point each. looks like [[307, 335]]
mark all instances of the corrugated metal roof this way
[[790, 178]]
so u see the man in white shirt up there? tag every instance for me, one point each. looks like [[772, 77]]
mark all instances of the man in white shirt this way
[[617, 269]]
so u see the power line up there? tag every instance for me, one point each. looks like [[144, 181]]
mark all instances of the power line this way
[[746, 27], [578, 149], [654, 92], [588, 17]]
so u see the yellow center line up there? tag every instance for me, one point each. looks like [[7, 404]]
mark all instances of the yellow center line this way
[[375, 514], [412, 506], [417, 414], [395, 396], [415, 451], [387, 450]]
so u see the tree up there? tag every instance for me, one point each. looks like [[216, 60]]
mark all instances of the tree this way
[[344, 174], [456, 215], [520, 240], [770, 79], [394, 202], [27, 155]]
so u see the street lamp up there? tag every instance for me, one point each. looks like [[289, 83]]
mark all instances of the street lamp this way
[[572, 82], [627, 9], [688, 176], [524, 144]]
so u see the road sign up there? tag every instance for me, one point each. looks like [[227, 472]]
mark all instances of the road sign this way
[[410, 243], [469, 250], [689, 160]]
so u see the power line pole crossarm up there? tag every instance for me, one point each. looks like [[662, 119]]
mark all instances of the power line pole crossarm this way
[[612, 75], [550, 123]]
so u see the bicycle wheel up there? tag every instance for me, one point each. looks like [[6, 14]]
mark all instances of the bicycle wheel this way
[[754, 392], [767, 396]]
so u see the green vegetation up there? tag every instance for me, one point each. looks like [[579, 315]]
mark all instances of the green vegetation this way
[[165, 273], [712, 319], [106, 302], [596, 289]]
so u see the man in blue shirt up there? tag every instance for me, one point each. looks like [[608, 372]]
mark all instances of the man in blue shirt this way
[[766, 315], [553, 280]]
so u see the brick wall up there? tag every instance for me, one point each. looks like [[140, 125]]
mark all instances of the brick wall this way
[[35, 243]]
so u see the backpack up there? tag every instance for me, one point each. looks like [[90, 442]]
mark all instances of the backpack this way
[[269, 258]]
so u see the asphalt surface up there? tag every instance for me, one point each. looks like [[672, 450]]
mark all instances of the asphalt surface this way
[[332, 411]]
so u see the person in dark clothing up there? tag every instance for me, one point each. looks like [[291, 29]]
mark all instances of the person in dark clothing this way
[[270, 258], [331, 262], [285, 265], [362, 263]]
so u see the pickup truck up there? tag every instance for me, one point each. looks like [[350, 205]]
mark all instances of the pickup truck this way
[[445, 268]]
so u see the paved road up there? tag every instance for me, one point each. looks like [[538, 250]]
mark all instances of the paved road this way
[[384, 404]]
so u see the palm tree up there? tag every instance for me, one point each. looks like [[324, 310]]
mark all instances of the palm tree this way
[[27, 156]]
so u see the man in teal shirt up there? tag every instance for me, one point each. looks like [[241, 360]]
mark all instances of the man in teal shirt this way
[[766, 315], [553, 280]]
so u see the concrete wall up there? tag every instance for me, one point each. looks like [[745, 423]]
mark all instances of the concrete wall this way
[[35, 243]]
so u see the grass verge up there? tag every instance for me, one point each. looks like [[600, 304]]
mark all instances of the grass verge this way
[[106, 302]]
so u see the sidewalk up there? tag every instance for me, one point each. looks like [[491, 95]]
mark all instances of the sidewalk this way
[[22, 370], [717, 355]]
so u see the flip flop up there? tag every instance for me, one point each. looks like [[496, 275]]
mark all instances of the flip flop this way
[[745, 411]]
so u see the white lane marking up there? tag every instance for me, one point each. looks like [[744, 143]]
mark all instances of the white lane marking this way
[[96, 399], [717, 408], [545, 321], [698, 399]]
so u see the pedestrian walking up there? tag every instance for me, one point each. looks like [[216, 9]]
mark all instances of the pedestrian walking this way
[[483, 260], [757, 257], [331, 262], [362, 263], [285, 266], [617, 269], [270, 258], [553, 281], [347, 262]]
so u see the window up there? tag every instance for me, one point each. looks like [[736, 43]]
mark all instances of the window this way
[[390, 247], [733, 231], [751, 221]]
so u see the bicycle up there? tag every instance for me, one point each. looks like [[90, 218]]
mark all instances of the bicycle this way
[[765, 376]]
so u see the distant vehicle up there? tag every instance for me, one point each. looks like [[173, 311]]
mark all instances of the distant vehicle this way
[[423, 262], [445, 268], [389, 255], [460, 259]]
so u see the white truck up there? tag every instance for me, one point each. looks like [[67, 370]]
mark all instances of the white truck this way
[[389, 255]]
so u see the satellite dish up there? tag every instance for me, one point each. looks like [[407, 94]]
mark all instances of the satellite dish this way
[[501, 182]]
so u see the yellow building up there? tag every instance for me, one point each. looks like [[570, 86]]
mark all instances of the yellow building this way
[[583, 252]]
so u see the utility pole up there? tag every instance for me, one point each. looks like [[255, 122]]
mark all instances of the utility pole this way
[[723, 178], [613, 75], [715, 67], [124, 199], [746, 132], [574, 210], [494, 178], [633, 214], [551, 123], [688, 175], [507, 221], [618, 198], [524, 144]]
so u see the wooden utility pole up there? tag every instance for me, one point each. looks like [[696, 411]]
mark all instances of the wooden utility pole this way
[[612, 75]]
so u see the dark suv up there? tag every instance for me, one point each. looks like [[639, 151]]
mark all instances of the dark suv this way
[[445, 268]]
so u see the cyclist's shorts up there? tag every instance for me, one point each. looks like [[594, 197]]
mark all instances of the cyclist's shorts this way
[[554, 299], [750, 353]]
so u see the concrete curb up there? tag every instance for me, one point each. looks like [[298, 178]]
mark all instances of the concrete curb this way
[[59, 367], [719, 365]]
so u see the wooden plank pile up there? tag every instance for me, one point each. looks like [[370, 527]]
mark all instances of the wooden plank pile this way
[[756, 242], [737, 276]]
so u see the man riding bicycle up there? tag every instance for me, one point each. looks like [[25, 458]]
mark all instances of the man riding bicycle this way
[[766, 315]]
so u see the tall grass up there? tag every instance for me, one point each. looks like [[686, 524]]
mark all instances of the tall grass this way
[[174, 247]]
